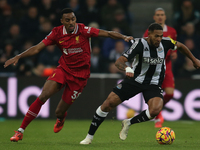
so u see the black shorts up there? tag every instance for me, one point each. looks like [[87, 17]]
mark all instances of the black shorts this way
[[129, 88]]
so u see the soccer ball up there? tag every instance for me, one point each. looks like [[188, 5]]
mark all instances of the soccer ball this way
[[165, 136]]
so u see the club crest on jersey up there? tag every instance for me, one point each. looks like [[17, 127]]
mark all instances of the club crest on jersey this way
[[77, 39], [119, 86], [160, 49], [153, 61]]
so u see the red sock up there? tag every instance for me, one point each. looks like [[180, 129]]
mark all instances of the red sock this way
[[167, 98], [65, 114], [63, 117], [32, 113], [158, 116]]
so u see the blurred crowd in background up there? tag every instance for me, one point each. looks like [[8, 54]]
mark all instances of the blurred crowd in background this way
[[24, 23]]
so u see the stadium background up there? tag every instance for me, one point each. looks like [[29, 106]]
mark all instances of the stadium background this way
[[20, 85]]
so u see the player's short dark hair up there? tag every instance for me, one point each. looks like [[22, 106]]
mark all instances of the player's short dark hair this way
[[154, 26], [66, 11]]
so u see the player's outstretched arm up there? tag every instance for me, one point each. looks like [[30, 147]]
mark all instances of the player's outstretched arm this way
[[183, 49], [29, 52], [114, 35], [121, 65]]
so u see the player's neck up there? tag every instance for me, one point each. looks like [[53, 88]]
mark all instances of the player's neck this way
[[149, 43], [162, 25]]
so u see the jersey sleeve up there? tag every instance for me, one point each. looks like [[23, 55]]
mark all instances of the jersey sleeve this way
[[50, 38], [134, 49], [171, 44], [90, 31], [174, 38], [173, 33]]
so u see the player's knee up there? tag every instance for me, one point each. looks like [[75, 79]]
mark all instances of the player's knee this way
[[155, 111], [107, 105], [44, 96], [111, 102]]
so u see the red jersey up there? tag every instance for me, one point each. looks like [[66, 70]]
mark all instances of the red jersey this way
[[75, 48], [167, 32]]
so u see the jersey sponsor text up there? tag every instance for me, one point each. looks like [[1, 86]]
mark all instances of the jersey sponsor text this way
[[153, 61]]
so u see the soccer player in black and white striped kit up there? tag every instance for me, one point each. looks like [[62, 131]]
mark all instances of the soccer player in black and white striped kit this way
[[148, 62]]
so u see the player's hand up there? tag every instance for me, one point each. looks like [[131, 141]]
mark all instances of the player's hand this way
[[196, 64], [128, 38], [130, 75], [129, 72], [173, 55], [13, 61]]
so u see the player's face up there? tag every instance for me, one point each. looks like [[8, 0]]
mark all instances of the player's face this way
[[159, 17], [155, 37], [69, 21]]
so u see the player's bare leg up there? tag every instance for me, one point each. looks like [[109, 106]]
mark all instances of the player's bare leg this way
[[102, 111], [155, 106], [168, 95], [61, 113], [50, 88]]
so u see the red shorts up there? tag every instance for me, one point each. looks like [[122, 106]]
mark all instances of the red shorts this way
[[73, 85], [168, 80]]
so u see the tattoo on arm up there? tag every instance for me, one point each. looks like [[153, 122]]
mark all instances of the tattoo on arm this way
[[121, 66]]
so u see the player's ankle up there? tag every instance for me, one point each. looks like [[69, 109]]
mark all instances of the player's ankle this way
[[21, 130], [90, 136]]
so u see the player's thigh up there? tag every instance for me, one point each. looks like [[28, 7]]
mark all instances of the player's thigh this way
[[155, 103], [53, 84], [50, 88], [73, 89], [152, 91]]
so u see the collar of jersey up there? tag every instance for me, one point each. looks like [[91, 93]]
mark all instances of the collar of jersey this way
[[74, 32], [165, 28]]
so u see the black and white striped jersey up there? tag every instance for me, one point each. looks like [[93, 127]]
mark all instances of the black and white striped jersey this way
[[148, 62]]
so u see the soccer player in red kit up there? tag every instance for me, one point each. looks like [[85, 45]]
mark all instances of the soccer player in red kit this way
[[73, 39], [168, 83]]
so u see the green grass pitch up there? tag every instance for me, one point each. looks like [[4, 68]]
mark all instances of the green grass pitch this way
[[39, 135]]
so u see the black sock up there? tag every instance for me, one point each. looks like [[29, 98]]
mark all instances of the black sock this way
[[96, 122], [142, 117]]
